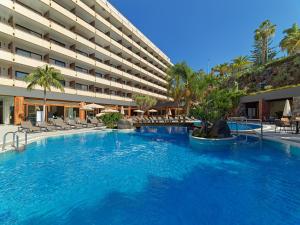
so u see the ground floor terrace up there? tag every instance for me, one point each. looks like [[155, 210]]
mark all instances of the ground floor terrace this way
[[268, 106], [14, 109]]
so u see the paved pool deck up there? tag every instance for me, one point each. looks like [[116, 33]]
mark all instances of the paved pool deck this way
[[38, 135]]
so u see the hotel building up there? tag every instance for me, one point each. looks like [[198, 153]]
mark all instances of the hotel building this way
[[103, 57]]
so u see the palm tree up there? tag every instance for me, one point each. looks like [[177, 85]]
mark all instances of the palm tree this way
[[182, 85], [144, 102], [240, 63], [222, 69], [45, 77], [263, 36], [291, 41]]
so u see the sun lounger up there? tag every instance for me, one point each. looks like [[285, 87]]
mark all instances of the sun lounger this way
[[84, 123], [46, 127], [147, 120], [73, 124], [172, 120], [177, 119], [152, 120], [96, 122], [28, 127], [161, 119], [61, 124]]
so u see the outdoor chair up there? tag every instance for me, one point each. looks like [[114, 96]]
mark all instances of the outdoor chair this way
[[84, 123], [153, 119], [28, 127], [161, 119], [96, 122], [73, 124], [177, 119], [46, 127], [282, 124], [61, 124]]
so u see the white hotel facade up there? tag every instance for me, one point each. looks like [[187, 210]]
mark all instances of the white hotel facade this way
[[103, 57]]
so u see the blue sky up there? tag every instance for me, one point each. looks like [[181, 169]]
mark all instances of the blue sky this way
[[207, 32]]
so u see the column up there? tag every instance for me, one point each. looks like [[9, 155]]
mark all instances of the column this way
[[263, 109], [19, 112], [81, 111], [129, 111]]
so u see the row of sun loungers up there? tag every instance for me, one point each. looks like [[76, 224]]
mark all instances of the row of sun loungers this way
[[163, 120], [60, 124]]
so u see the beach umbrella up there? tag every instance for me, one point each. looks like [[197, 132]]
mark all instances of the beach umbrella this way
[[86, 108], [122, 110], [287, 109], [100, 114], [109, 111], [95, 106], [169, 112], [138, 111], [152, 111]]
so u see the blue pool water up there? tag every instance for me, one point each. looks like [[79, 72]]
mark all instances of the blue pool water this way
[[150, 177], [242, 126], [239, 126]]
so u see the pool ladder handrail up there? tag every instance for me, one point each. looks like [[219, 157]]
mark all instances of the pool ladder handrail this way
[[16, 140]]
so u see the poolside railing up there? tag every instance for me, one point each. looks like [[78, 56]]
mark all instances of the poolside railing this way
[[246, 121]]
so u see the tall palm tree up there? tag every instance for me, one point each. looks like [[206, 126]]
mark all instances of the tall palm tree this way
[[222, 69], [182, 84], [263, 36], [45, 77], [291, 41]]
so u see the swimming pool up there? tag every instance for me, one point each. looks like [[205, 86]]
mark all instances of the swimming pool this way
[[153, 176]]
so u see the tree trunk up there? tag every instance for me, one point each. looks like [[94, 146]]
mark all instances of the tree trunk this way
[[187, 107], [264, 51], [44, 107]]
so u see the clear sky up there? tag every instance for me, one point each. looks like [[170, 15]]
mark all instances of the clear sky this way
[[207, 32]]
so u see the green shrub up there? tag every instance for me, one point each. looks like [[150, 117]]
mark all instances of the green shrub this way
[[111, 119]]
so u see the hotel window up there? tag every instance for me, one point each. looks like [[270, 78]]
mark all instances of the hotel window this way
[[80, 69], [57, 62], [29, 54], [98, 90], [82, 87], [20, 75], [98, 74]]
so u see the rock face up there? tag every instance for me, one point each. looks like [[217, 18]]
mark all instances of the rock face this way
[[125, 124], [280, 73], [219, 130]]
